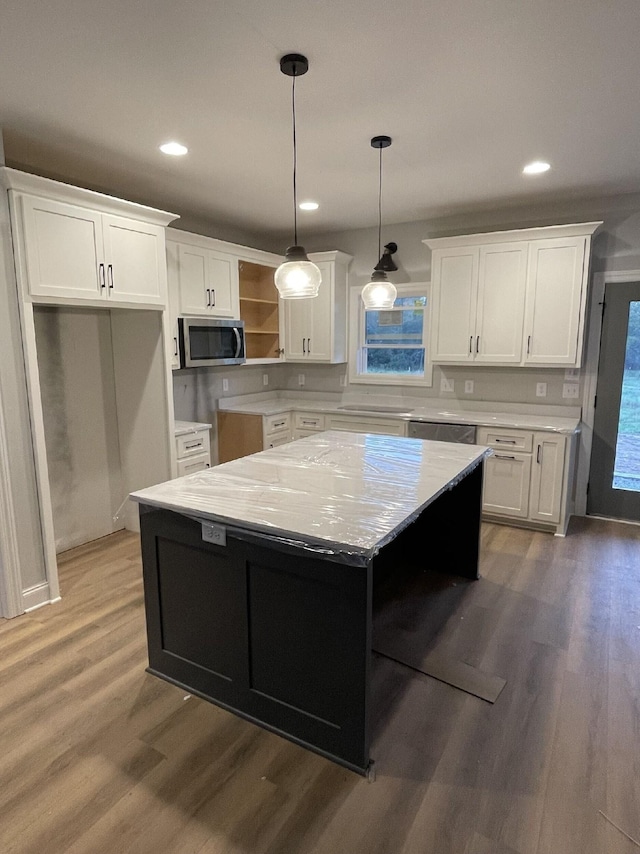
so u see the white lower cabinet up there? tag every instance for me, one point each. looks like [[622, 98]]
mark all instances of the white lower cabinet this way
[[526, 477], [307, 424], [364, 424], [276, 430], [193, 447]]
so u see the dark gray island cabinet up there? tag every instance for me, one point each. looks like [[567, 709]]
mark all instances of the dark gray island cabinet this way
[[259, 574]]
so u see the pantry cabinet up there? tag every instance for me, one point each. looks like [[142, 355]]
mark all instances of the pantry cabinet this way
[[527, 476], [76, 247], [511, 297], [316, 328]]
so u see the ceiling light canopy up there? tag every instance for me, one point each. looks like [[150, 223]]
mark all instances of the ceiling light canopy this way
[[174, 148], [297, 277], [537, 167], [380, 293]]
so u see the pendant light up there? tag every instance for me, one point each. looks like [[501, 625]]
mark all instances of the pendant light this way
[[380, 293], [297, 277]]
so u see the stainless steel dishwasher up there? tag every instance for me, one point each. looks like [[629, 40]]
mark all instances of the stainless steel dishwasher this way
[[440, 432]]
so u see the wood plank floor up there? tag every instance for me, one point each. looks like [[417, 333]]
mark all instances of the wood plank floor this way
[[98, 757]]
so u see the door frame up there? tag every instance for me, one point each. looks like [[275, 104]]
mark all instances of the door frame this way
[[592, 362]]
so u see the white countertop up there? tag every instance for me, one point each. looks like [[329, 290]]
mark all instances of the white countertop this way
[[337, 493], [181, 428], [413, 411]]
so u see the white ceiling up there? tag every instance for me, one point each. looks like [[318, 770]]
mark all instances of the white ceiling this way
[[469, 90]]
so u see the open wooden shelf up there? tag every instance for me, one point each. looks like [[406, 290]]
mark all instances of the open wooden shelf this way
[[259, 309]]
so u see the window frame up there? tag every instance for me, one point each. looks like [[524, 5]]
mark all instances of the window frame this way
[[357, 334]]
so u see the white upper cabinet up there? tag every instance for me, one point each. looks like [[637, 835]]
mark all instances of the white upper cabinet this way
[[511, 297], [316, 328], [478, 303], [554, 321], [208, 282], [76, 247]]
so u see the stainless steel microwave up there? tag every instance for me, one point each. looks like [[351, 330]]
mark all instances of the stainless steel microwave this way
[[207, 341]]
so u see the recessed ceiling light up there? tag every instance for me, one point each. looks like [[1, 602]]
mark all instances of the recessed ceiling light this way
[[309, 206], [174, 148], [536, 168]]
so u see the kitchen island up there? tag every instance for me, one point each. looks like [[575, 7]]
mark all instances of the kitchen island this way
[[259, 573]]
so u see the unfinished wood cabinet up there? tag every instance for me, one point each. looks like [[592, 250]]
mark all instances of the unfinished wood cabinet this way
[[260, 310], [240, 434]]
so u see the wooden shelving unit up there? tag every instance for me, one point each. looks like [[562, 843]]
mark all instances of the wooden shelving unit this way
[[259, 310]]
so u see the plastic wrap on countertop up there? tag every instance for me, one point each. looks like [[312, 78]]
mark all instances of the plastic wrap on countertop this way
[[338, 494]]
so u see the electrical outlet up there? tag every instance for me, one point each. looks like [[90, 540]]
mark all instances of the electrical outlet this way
[[572, 374], [343, 380], [216, 534], [300, 379], [446, 385], [225, 384], [570, 390], [468, 386], [541, 389], [265, 379]]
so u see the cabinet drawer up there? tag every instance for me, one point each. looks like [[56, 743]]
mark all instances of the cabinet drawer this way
[[276, 439], [514, 440], [357, 424], [308, 421], [505, 489], [276, 423], [191, 464], [189, 444]]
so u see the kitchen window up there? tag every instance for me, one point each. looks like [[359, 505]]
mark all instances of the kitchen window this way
[[390, 346]]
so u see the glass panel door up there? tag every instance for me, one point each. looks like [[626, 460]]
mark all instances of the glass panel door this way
[[614, 475]]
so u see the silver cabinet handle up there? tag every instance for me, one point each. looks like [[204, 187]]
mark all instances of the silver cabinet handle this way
[[101, 277], [110, 276]]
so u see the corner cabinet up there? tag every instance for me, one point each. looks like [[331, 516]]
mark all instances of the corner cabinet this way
[[511, 297], [77, 247], [316, 328]]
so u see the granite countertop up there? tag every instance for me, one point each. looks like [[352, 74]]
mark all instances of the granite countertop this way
[[340, 494], [181, 428], [411, 411]]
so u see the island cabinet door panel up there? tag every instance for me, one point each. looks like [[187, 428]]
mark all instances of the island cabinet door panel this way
[[310, 642], [195, 601]]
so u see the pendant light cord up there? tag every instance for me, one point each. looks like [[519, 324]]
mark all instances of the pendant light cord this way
[[295, 163], [380, 210]]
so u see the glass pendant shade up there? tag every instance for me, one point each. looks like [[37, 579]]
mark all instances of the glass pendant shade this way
[[380, 293], [297, 277]]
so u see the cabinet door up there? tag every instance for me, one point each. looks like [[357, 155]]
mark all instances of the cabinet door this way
[[547, 477], [455, 276], [321, 310], [555, 301], [358, 424], [222, 281], [136, 261], [505, 490], [173, 302], [63, 250], [502, 278], [298, 326], [193, 281]]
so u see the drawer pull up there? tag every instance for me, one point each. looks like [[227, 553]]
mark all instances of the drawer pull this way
[[504, 457], [539, 454], [193, 445], [506, 441]]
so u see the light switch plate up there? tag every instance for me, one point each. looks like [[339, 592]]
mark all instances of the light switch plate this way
[[541, 389], [343, 380], [300, 379], [468, 386], [225, 384], [446, 385], [265, 379]]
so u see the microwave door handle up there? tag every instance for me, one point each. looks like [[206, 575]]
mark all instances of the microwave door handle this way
[[238, 341]]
